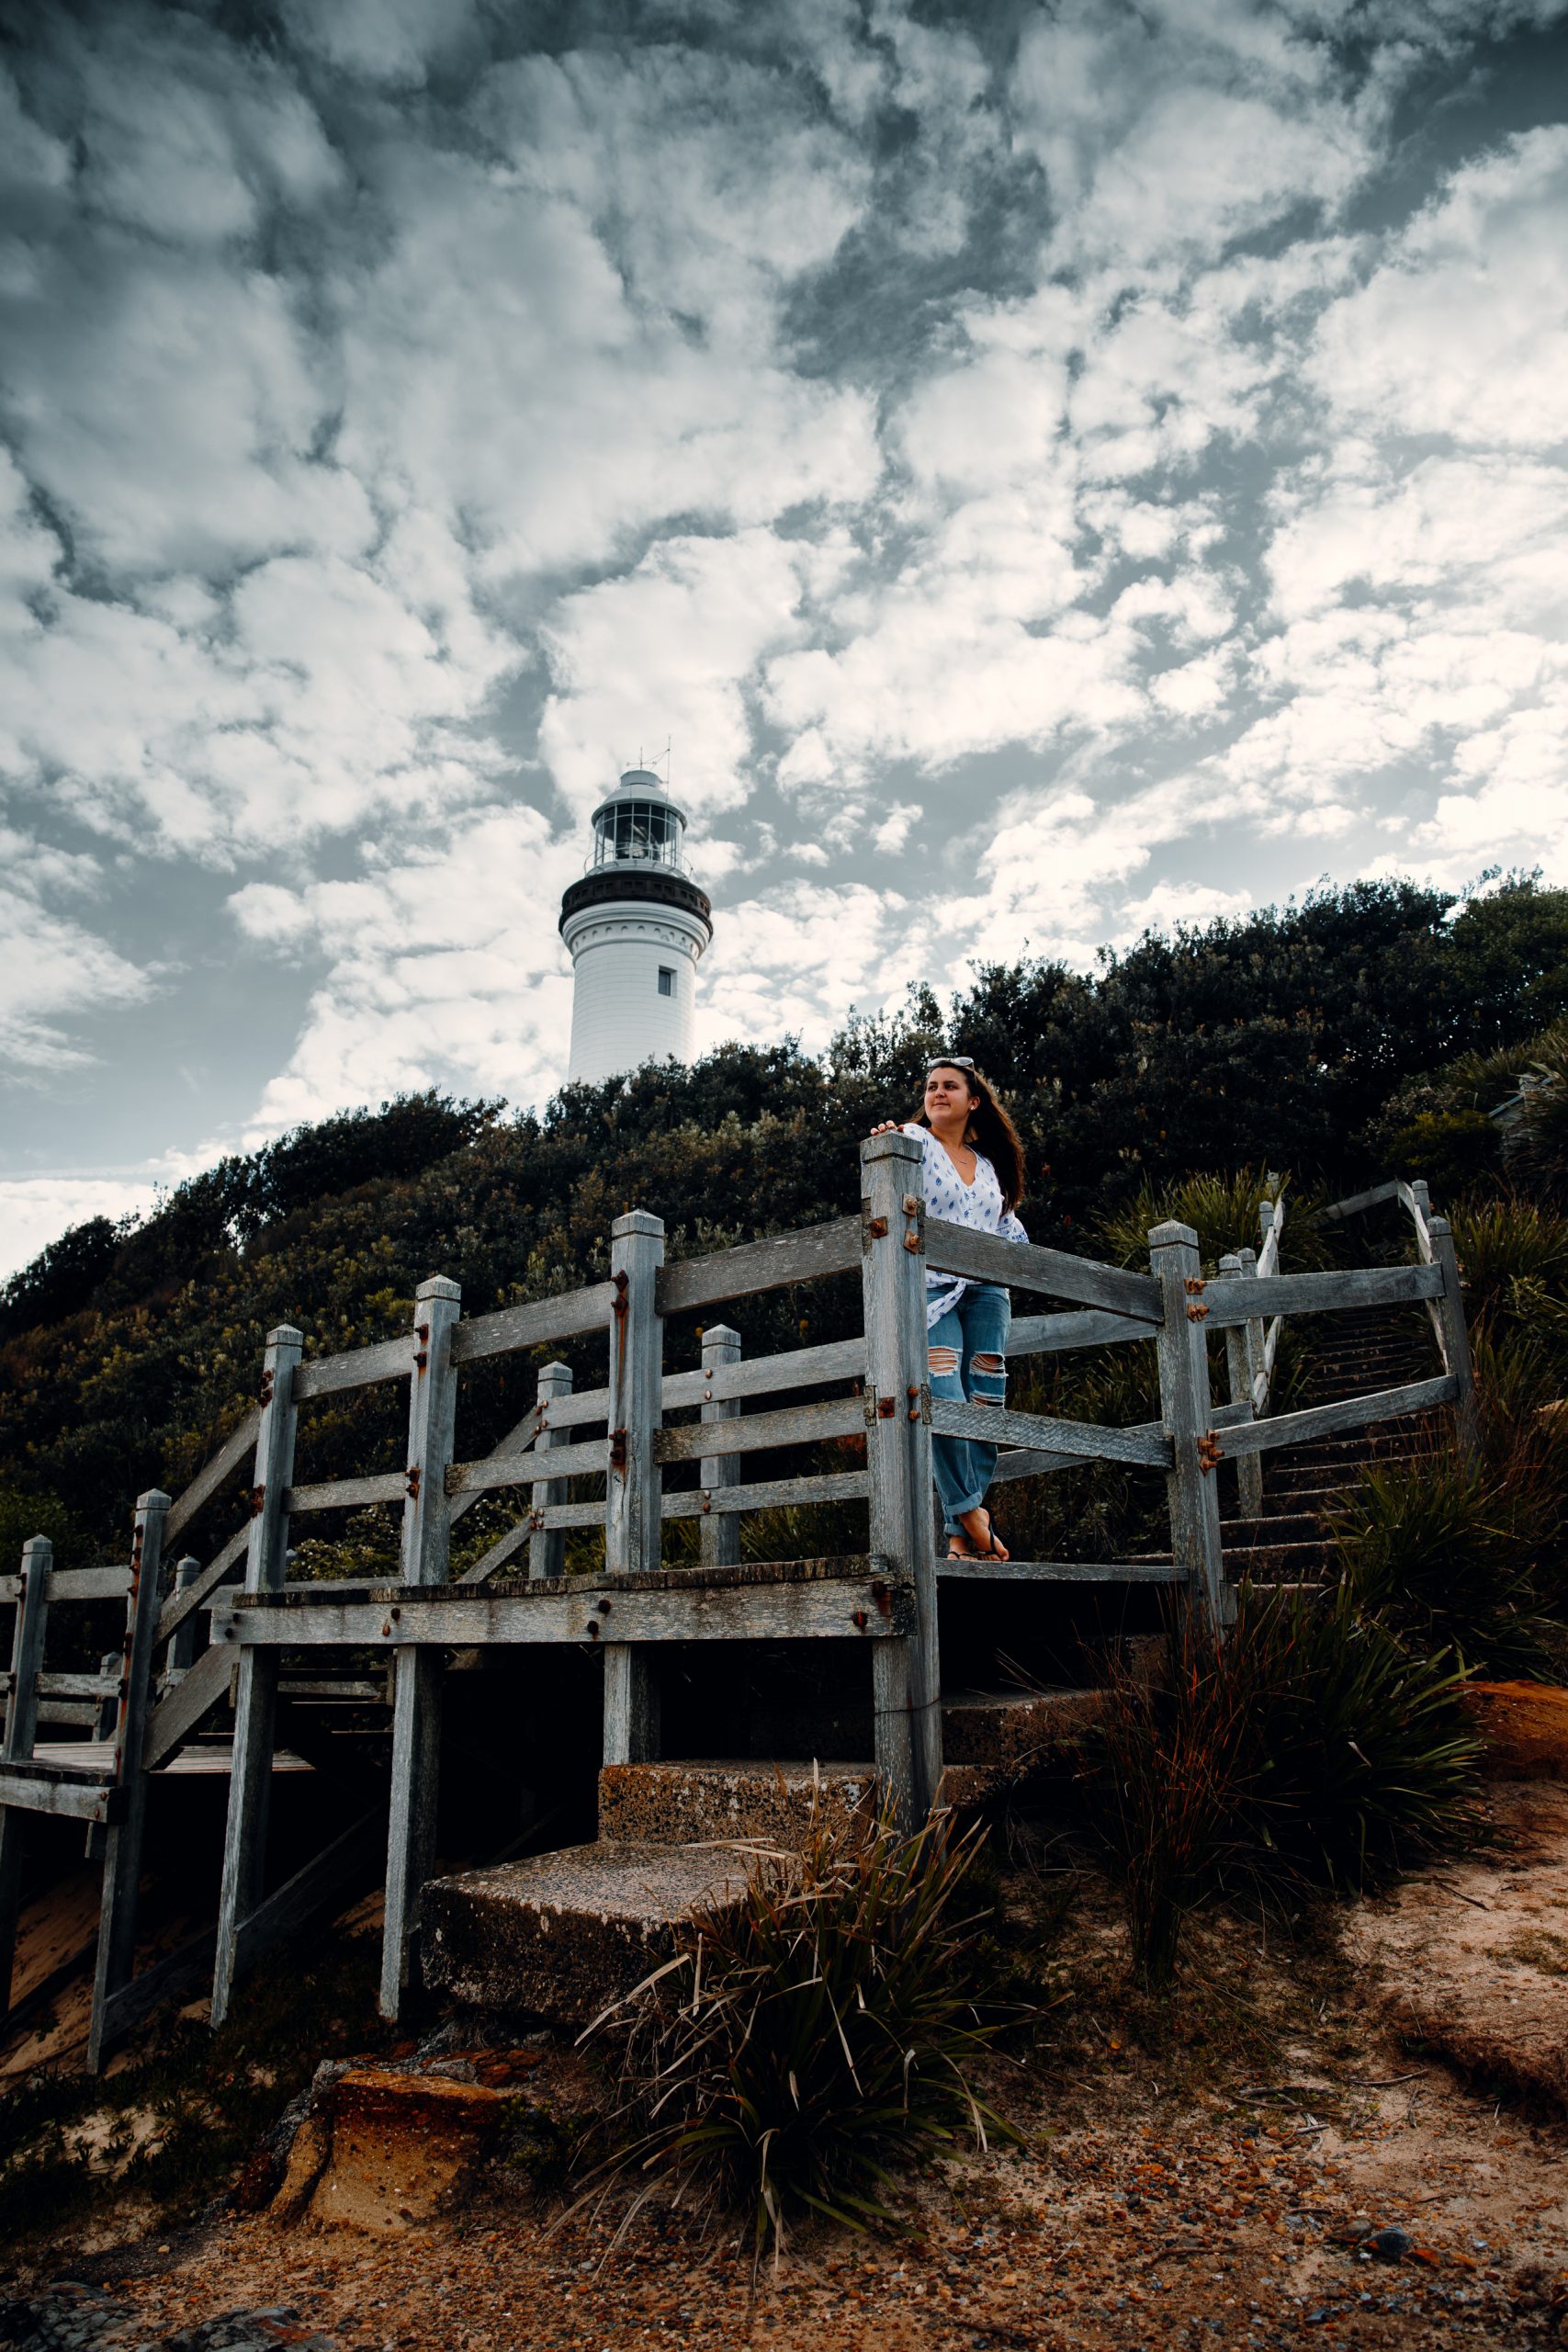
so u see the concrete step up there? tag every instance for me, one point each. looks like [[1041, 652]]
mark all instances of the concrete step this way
[[681, 1802], [990, 1736], [1265, 1563], [1281, 1527], [561, 1936]]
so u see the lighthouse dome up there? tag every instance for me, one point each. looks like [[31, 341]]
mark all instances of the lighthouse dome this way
[[634, 925]]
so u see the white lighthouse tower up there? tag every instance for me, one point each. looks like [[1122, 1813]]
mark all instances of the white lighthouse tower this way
[[635, 924]]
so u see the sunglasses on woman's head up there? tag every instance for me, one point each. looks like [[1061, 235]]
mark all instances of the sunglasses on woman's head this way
[[949, 1061]]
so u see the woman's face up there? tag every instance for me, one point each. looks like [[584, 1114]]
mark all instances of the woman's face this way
[[949, 1097]]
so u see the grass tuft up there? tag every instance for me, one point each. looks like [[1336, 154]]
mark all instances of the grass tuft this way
[[805, 2044]]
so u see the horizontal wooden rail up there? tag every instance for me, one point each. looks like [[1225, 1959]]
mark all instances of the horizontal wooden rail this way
[[1060, 1571], [1359, 1286], [588, 1461], [67, 1792], [1029, 1462], [844, 1600], [359, 1368], [784, 1258], [348, 1494], [765, 1375], [791, 1425], [833, 1487], [1356, 1201], [1085, 1441], [237, 1447], [74, 1583], [570, 1315], [1040, 1335], [1349, 1413], [181, 1604], [1024, 1265]]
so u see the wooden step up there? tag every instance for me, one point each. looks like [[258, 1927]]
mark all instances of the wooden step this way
[[682, 1802], [561, 1936]]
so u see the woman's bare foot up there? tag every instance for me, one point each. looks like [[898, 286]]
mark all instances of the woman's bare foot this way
[[986, 1542]]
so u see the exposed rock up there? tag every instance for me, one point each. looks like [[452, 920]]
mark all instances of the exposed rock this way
[[1526, 1728]]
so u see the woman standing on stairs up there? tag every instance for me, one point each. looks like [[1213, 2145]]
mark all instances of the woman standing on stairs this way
[[973, 1176]]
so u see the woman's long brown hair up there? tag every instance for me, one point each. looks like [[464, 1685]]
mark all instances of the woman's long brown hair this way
[[989, 1129]]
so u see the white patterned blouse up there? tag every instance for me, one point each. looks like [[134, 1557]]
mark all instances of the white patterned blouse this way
[[979, 1205]]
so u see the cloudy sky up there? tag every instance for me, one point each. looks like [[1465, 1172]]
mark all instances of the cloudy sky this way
[[1046, 468]]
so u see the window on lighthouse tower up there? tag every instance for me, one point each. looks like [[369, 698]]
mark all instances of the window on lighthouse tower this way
[[666, 981]]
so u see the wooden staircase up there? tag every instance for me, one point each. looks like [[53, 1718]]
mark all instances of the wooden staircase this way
[[696, 1675]]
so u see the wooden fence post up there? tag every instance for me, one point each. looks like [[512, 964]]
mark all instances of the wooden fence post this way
[[416, 1697], [906, 1674], [1238, 1367], [255, 1686], [21, 1730], [718, 1533], [122, 1847], [182, 1645], [547, 1545], [632, 1482], [1455, 1336], [1191, 1483]]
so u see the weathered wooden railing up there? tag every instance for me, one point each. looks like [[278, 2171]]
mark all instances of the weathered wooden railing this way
[[631, 1605]]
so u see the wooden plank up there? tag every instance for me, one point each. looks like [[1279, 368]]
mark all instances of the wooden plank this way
[[186, 1703], [773, 1494], [906, 1676], [1040, 1335], [1358, 1287], [752, 1432], [783, 1257], [89, 1584], [236, 1447], [1084, 1441], [572, 1315], [76, 1712], [348, 1494], [547, 1545], [1024, 1265], [416, 1695], [174, 1977], [116, 1962], [1059, 1572], [588, 1514], [1356, 1201], [718, 1533], [76, 1686], [1238, 1376], [766, 1375], [57, 1791], [181, 1604], [634, 1484], [1453, 1340], [255, 1687], [587, 1460], [1349, 1413], [1192, 1490], [590, 1611], [328, 1882], [359, 1368], [27, 1637]]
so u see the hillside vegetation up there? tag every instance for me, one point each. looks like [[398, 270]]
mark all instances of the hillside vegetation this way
[[1298, 1040]]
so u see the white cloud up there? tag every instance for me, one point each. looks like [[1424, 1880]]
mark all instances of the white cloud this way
[[36, 1210], [1463, 329]]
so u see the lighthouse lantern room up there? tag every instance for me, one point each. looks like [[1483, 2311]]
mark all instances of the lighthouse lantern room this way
[[634, 925]]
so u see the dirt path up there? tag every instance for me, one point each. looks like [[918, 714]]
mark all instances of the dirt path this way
[[1206, 2174]]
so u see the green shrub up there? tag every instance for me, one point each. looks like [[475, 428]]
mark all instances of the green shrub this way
[[1452, 1149], [1222, 1212], [1443, 1553], [1310, 1748], [804, 2041], [1511, 1254]]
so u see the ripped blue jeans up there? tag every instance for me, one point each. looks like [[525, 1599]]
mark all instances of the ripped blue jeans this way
[[968, 1363]]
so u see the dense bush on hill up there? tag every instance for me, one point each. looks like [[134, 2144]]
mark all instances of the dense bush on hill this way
[[128, 1351]]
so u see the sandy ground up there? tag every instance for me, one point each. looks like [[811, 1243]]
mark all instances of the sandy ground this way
[[1184, 2183]]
